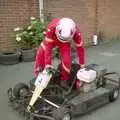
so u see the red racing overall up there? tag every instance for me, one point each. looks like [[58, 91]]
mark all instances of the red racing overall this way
[[44, 52]]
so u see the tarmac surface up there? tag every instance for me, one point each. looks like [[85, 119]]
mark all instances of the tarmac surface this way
[[106, 54]]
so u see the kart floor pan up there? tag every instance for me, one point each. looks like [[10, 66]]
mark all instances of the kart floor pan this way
[[86, 102]]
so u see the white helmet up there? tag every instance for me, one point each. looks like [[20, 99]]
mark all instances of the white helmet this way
[[65, 29]]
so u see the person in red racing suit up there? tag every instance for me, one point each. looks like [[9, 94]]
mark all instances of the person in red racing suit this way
[[59, 33]]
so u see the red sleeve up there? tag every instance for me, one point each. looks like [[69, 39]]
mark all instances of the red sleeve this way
[[80, 46], [48, 53], [50, 32], [49, 41]]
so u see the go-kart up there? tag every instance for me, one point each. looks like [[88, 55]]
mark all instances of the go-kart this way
[[57, 103]]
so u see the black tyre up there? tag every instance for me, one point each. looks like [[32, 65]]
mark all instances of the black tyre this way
[[9, 58], [20, 89], [27, 55], [114, 94], [62, 114]]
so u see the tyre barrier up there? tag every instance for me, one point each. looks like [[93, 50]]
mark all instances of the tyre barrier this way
[[27, 55], [9, 58], [21, 55]]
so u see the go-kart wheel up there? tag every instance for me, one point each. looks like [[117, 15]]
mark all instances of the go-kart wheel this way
[[114, 94], [62, 114], [20, 90], [66, 116]]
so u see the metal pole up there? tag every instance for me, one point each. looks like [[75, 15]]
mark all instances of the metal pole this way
[[51, 103], [41, 10]]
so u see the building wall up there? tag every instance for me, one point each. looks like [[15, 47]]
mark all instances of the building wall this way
[[93, 17], [99, 17], [78, 10], [12, 14], [109, 18]]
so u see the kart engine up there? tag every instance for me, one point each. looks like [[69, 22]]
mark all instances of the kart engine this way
[[87, 78]]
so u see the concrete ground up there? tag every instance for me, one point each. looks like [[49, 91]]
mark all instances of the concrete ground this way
[[107, 54]]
